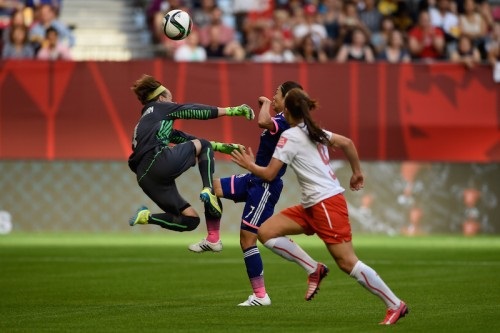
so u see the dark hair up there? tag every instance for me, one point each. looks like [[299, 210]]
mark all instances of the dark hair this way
[[13, 29], [289, 85], [145, 86], [51, 29], [299, 105]]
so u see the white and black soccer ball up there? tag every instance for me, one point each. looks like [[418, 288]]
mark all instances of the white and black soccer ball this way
[[177, 24]]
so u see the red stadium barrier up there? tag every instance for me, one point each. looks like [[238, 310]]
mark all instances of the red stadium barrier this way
[[86, 111]]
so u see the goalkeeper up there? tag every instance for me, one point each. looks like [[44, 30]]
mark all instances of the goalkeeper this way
[[160, 154]]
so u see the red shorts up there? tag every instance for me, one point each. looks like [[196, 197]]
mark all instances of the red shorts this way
[[328, 219]]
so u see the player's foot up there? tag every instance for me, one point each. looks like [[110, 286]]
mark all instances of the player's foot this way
[[226, 148], [314, 279], [205, 246], [393, 316], [141, 216], [256, 301], [210, 199]]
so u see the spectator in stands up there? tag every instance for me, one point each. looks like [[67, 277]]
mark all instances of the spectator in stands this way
[[7, 7], [278, 52], [466, 53], [52, 48], [191, 50], [387, 7], [16, 19], [219, 39], [370, 16], [310, 26], [350, 21], [493, 45], [487, 13], [47, 18], [473, 25], [281, 28], [246, 12], [18, 46], [308, 51], [202, 15], [425, 41], [357, 50], [444, 18], [258, 36], [331, 16], [403, 18], [395, 51], [380, 39], [56, 4]]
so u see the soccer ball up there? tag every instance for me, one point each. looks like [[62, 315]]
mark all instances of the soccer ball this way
[[177, 24]]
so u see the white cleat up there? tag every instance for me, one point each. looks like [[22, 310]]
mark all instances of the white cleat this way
[[256, 301], [206, 246]]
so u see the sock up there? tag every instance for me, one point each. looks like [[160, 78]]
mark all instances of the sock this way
[[206, 163], [255, 270], [213, 228], [369, 279], [289, 250]]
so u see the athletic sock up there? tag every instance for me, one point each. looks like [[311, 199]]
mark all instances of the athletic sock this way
[[369, 279], [255, 270], [213, 229], [206, 163], [289, 250]]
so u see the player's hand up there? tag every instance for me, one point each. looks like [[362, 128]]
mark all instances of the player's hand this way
[[263, 99], [244, 158], [357, 181], [242, 110]]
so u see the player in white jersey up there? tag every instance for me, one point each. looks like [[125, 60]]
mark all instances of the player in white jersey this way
[[323, 209]]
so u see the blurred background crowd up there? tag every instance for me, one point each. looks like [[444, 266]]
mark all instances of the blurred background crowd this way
[[465, 31]]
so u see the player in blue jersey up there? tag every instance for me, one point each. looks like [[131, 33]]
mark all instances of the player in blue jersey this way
[[260, 197], [161, 153]]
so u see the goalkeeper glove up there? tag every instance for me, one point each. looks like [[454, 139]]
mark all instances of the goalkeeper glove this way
[[226, 148], [242, 110]]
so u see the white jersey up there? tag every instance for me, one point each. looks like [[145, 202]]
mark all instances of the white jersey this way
[[311, 163]]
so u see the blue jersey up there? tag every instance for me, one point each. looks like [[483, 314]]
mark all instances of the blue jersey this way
[[260, 197], [268, 141]]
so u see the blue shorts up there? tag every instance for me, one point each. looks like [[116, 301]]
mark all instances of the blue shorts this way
[[260, 198]]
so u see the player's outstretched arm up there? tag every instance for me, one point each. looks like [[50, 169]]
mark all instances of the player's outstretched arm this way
[[242, 110]]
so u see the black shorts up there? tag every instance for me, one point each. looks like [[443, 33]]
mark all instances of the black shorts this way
[[158, 170]]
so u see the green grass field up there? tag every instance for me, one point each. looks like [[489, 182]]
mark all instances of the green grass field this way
[[152, 283]]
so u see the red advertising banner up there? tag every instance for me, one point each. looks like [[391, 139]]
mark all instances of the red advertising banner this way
[[86, 110]]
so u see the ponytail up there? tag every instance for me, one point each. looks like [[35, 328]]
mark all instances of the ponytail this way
[[299, 106]]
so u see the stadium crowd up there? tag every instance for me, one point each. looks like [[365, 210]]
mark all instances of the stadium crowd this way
[[31, 29], [465, 31], [462, 31]]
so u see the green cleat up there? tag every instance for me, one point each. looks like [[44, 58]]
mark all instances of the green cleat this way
[[141, 216], [210, 199], [242, 110], [226, 148]]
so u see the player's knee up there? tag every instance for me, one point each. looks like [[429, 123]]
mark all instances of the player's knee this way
[[205, 144], [191, 222]]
